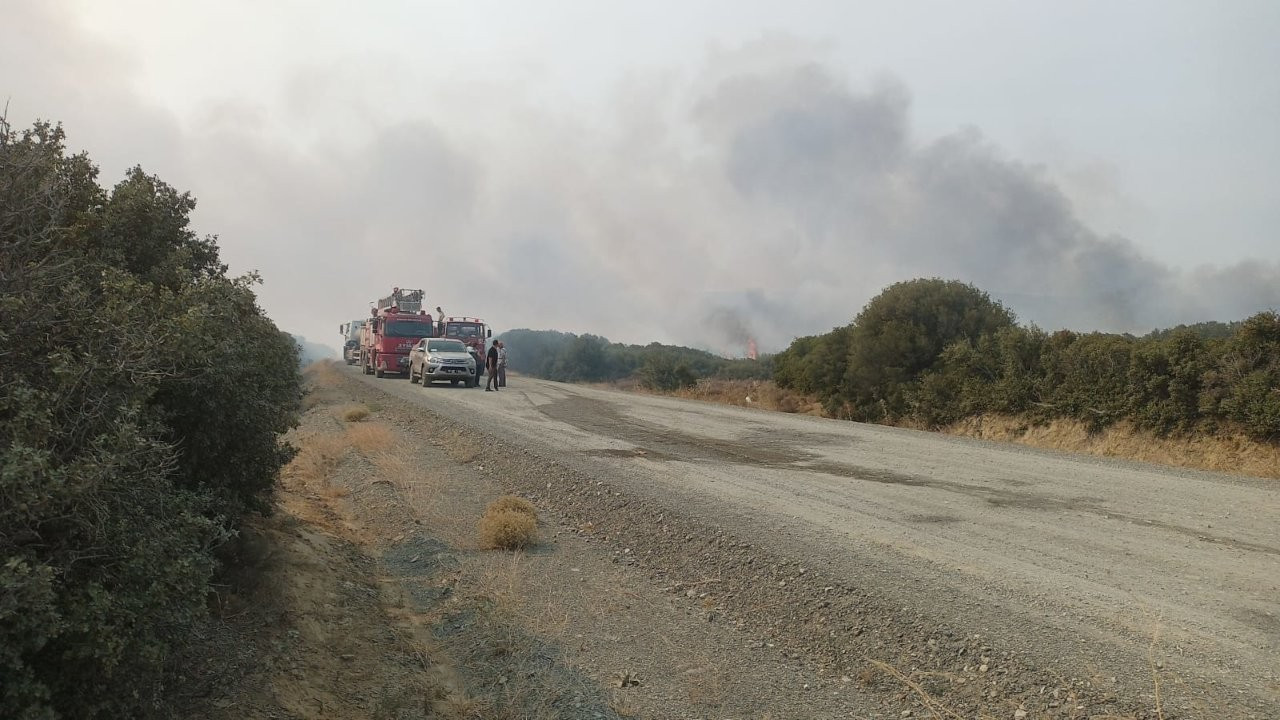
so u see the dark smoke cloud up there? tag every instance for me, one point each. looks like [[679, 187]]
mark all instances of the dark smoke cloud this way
[[766, 195], [728, 326]]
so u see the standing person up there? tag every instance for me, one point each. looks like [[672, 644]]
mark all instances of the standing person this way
[[492, 368], [440, 319], [502, 363]]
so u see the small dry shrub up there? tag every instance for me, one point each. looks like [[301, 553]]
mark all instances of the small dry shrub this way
[[507, 529], [353, 413], [789, 404], [370, 437], [514, 504]]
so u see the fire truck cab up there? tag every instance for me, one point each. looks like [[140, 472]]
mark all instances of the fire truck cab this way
[[472, 332]]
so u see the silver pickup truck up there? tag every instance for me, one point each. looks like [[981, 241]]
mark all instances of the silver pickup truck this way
[[435, 359]]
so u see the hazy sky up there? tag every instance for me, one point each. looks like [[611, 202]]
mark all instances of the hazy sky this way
[[691, 171]]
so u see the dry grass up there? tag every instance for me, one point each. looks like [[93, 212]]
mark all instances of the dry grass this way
[[394, 467], [507, 530], [1229, 452], [514, 504], [317, 457], [509, 523], [323, 374], [371, 438], [935, 708], [353, 413], [762, 394], [462, 448], [321, 381]]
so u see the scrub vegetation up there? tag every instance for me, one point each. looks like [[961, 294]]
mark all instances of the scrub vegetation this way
[[143, 394]]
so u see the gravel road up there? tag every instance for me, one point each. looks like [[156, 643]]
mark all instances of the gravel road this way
[[1078, 567]]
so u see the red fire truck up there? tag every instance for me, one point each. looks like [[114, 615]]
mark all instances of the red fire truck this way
[[394, 327], [472, 332]]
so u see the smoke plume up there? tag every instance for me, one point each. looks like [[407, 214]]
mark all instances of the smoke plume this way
[[762, 194]]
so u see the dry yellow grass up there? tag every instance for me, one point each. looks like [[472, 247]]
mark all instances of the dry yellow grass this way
[[322, 374], [1233, 452], [321, 381], [317, 456], [762, 394], [507, 530], [394, 467], [353, 413], [514, 504], [370, 438]]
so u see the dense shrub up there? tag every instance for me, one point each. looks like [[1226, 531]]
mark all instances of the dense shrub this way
[[869, 369], [1166, 379], [935, 352], [1247, 377], [661, 371], [142, 395]]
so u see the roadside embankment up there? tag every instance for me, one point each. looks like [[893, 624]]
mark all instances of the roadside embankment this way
[[1229, 450]]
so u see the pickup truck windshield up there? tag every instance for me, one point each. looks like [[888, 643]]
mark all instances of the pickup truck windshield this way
[[405, 328], [446, 346]]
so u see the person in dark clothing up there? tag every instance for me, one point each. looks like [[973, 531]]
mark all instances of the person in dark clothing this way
[[492, 369], [501, 373]]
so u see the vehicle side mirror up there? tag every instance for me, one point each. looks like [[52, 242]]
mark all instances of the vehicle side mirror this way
[[489, 332]]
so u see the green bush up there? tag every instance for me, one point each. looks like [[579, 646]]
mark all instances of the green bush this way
[[901, 335], [936, 352], [661, 371], [142, 396], [1248, 377], [1166, 380]]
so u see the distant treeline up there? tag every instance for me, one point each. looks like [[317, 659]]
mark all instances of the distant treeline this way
[[935, 351], [589, 358]]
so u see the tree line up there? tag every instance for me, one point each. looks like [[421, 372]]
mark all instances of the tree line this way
[[143, 394], [936, 351], [567, 357]]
